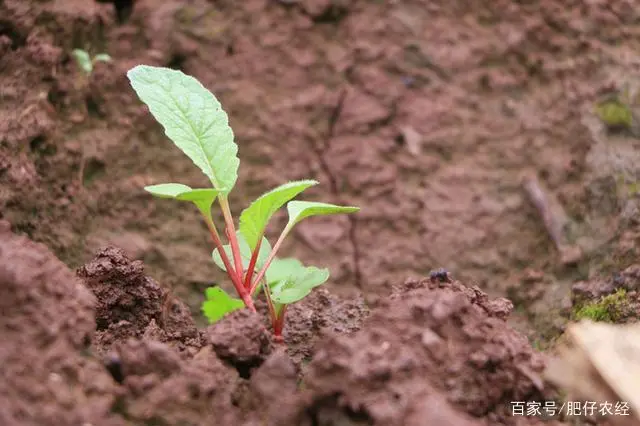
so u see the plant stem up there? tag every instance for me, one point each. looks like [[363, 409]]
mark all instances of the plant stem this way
[[252, 264], [274, 250], [272, 309], [231, 233], [279, 325], [235, 278], [275, 318]]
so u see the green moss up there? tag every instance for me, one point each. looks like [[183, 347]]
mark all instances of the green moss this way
[[609, 308], [615, 113]]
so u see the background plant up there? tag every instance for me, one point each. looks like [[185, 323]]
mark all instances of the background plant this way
[[194, 120], [86, 62]]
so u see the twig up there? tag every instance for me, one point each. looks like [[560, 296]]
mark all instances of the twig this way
[[554, 217]]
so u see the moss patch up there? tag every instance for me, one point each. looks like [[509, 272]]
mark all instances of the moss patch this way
[[611, 308]]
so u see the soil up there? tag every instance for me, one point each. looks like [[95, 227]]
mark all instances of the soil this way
[[427, 353], [436, 118]]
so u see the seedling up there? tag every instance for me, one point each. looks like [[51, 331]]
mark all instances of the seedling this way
[[86, 62], [194, 120]]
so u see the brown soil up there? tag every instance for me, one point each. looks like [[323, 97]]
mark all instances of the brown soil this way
[[430, 352], [430, 115]]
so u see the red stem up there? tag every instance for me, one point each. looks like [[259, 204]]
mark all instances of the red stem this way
[[276, 321], [237, 280], [272, 309], [274, 250], [279, 326], [252, 265], [231, 234]]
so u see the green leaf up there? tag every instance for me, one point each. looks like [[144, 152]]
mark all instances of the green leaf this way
[[198, 195], [202, 197], [167, 190], [245, 253], [102, 57], [219, 303], [282, 269], [299, 285], [192, 118], [299, 210], [254, 218], [83, 59]]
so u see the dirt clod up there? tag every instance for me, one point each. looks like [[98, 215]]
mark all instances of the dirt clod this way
[[273, 388], [123, 291], [319, 313], [47, 322], [194, 392], [242, 340], [428, 341], [142, 357], [131, 304]]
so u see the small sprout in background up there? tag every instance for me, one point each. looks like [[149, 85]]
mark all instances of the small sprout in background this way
[[194, 120], [85, 62], [614, 114]]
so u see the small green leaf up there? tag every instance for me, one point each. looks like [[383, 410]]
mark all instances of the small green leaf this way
[[218, 304], [202, 198], [299, 285], [192, 118], [245, 253], [299, 210], [83, 59], [282, 269], [254, 218], [198, 195], [102, 57], [167, 190]]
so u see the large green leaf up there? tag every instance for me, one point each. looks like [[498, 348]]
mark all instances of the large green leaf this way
[[254, 218], [192, 118], [299, 210], [245, 253], [299, 284], [219, 303]]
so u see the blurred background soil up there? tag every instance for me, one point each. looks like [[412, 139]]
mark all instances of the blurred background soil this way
[[438, 118]]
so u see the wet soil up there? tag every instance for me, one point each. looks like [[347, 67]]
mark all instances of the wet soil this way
[[432, 116]]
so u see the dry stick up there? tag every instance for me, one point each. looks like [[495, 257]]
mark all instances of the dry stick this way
[[554, 218], [81, 171]]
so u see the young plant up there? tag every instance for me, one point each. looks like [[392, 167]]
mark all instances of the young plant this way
[[194, 120], [86, 62]]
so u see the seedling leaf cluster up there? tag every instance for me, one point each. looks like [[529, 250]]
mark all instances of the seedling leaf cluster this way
[[86, 62], [194, 120]]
